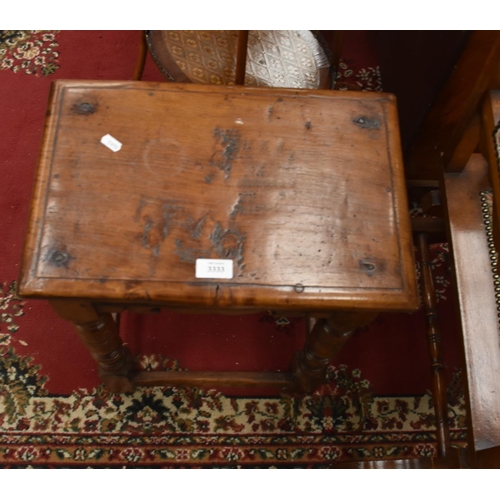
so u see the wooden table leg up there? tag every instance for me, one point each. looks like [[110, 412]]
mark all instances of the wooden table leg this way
[[323, 343], [99, 333]]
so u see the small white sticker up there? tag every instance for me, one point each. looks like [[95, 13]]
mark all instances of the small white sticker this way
[[214, 268], [110, 142]]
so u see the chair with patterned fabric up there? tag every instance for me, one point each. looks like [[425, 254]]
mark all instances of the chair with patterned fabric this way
[[295, 59]]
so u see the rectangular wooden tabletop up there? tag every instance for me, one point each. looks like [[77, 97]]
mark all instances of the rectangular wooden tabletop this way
[[302, 191]]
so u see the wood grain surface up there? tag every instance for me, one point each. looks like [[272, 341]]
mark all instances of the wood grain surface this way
[[477, 305], [303, 190]]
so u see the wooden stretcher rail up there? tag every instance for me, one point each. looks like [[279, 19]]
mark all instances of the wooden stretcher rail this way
[[280, 381]]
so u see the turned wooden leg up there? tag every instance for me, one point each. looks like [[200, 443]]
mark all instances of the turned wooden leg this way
[[99, 333], [435, 350], [323, 343]]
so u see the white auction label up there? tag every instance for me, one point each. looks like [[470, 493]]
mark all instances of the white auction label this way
[[110, 142], [214, 268]]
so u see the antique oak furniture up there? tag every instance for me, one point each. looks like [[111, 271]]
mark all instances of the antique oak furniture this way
[[219, 199], [456, 145], [454, 150], [448, 135]]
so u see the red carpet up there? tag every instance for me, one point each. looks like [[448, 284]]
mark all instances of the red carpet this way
[[52, 412]]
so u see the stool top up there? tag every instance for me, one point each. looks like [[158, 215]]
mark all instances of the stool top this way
[[301, 191]]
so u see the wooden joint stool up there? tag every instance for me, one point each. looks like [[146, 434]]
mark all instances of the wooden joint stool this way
[[219, 199]]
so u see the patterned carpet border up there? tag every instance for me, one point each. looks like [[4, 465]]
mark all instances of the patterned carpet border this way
[[174, 427]]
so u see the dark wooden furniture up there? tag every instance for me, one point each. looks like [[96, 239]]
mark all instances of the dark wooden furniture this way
[[447, 88], [241, 57], [435, 348], [452, 150], [450, 131], [415, 65], [302, 192], [462, 124]]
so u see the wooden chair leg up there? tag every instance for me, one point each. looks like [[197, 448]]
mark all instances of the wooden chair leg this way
[[435, 349], [447, 457], [334, 39], [337, 42], [241, 57], [141, 60], [99, 333], [323, 343]]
